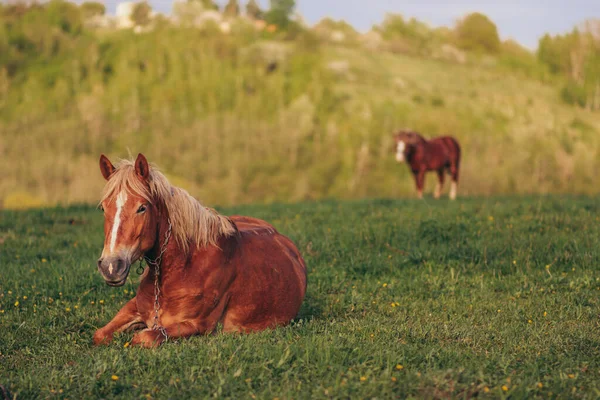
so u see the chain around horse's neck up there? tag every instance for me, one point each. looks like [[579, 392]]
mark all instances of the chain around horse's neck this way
[[157, 264]]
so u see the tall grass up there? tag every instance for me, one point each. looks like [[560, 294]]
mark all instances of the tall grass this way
[[248, 117]]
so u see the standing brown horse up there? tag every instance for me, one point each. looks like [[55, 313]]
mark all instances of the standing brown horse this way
[[440, 154], [204, 268]]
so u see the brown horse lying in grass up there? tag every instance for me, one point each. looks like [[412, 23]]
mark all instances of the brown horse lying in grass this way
[[204, 268], [440, 154]]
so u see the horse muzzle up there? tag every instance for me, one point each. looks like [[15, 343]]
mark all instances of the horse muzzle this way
[[114, 270]]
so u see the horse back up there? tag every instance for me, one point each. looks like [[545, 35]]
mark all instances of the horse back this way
[[247, 225], [272, 243], [270, 279], [450, 145]]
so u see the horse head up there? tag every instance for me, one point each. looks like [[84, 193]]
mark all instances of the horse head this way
[[405, 142], [130, 218]]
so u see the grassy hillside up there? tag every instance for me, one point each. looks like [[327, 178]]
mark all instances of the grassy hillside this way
[[490, 298], [255, 117]]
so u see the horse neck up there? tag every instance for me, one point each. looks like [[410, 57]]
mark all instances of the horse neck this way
[[420, 140], [167, 260]]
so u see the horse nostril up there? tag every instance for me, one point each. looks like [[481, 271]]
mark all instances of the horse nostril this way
[[99, 262]]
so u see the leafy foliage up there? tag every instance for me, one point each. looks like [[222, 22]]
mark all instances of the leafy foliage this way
[[409, 37], [575, 56], [280, 13], [92, 8], [232, 9], [476, 32], [207, 4], [141, 13], [253, 10]]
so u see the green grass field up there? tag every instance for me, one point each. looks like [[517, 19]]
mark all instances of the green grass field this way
[[493, 297]]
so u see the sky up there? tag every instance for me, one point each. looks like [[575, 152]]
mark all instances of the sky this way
[[522, 20]]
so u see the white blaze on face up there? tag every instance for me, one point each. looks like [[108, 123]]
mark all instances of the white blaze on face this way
[[400, 147], [121, 200]]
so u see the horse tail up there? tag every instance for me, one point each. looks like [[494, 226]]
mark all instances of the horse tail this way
[[458, 149], [455, 159]]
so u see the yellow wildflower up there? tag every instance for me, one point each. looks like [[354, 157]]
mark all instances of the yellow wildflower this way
[[114, 378]]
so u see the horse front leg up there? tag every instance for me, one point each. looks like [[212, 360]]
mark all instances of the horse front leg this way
[[206, 323], [420, 181], [149, 338], [127, 317]]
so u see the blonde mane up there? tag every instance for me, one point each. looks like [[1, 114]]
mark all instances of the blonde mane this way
[[191, 222]]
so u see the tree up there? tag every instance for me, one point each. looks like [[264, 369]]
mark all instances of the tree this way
[[476, 32], [141, 13], [253, 10], [207, 4], [232, 9], [92, 9], [280, 12], [575, 55]]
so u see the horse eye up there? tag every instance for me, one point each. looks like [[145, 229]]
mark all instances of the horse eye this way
[[141, 209]]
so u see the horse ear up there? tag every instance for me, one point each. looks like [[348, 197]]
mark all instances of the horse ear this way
[[106, 167], [141, 167]]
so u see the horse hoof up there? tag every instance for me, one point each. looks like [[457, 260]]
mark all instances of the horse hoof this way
[[148, 339], [101, 339]]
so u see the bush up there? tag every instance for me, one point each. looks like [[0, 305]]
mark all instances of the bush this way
[[476, 32], [253, 10], [92, 9], [232, 9], [280, 13], [573, 94], [21, 200], [410, 36], [141, 14], [437, 101]]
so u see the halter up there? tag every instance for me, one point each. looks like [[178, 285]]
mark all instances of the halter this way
[[156, 263]]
